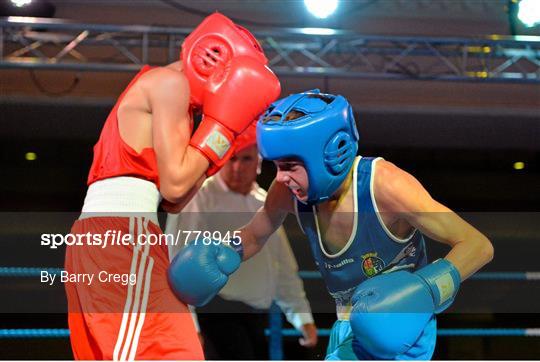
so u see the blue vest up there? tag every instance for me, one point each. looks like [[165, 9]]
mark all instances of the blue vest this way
[[372, 249]]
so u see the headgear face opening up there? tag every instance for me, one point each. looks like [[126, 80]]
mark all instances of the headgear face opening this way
[[212, 44], [324, 138]]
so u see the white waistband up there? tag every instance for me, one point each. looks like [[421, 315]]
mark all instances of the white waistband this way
[[121, 196]]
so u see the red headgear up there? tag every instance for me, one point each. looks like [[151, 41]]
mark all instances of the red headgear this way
[[213, 43]]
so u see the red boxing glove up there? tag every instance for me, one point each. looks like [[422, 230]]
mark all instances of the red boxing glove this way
[[247, 138], [235, 95]]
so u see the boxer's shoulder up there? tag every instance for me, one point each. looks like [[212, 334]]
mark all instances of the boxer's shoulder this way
[[389, 178], [390, 184], [385, 169], [163, 79], [163, 85]]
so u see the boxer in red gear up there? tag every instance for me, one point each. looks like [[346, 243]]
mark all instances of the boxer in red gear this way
[[146, 155]]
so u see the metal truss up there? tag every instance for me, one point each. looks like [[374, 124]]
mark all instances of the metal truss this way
[[304, 52]]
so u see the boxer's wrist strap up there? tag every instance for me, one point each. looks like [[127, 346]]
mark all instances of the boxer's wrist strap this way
[[236, 244], [443, 280]]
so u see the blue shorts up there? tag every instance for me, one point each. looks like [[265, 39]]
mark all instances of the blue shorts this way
[[343, 345]]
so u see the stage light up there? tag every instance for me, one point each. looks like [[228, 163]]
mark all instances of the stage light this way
[[30, 156], [21, 3], [28, 8], [321, 8], [529, 12], [519, 165]]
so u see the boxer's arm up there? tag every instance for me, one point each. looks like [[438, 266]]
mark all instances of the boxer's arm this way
[[179, 165], [401, 193], [266, 220], [176, 207]]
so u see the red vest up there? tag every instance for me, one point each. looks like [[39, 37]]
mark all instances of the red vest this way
[[113, 157]]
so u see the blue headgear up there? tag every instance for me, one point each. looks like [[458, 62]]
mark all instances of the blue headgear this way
[[325, 138]]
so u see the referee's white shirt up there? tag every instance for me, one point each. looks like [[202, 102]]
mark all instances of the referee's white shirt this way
[[272, 274]]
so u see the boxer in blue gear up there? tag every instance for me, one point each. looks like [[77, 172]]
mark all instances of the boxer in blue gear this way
[[364, 219]]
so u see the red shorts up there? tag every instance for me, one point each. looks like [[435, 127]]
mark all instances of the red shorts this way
[[127, 310]]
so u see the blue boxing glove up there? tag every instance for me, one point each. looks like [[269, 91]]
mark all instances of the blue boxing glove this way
[[199, 271], [390, 311]]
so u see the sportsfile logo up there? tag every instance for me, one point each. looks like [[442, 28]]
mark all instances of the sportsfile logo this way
[[119, 238]]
